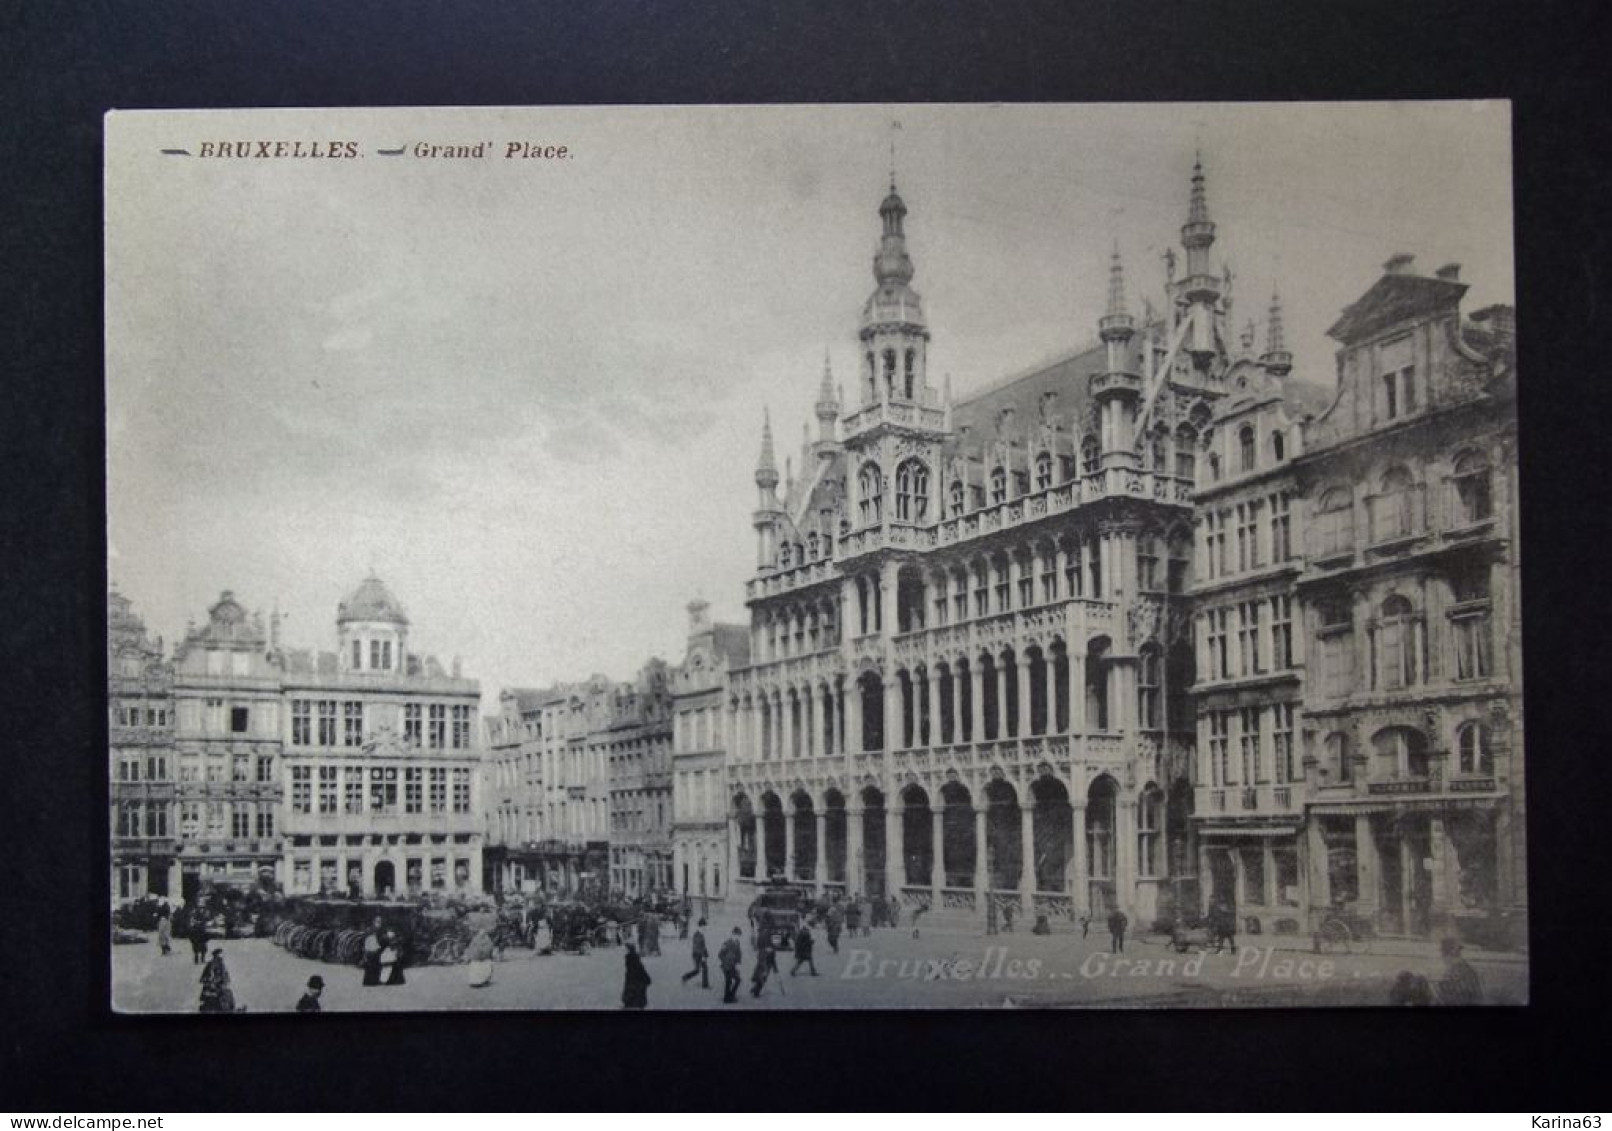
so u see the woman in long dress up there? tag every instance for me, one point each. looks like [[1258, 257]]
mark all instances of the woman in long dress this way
[[216, 995], [479, 959], [392, 959], [373, 946], [635, 987]]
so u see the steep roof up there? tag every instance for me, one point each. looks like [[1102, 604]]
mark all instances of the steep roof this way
[[1067, 376], [371, 601], [1392, 299]]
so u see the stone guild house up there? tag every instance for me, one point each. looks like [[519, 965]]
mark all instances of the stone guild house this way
[[142, 763]]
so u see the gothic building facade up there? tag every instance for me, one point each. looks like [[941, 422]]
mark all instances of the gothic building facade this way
[[142, 762], [1103, 635]]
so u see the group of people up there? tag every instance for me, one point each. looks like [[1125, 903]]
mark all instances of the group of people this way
[[188, 923], [383, 956], [730, 959]]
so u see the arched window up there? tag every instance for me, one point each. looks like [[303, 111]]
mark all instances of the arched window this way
[[1090, 455], [1149, 861], [870, 497], [1185, 458], [783, 556], [1043, 471], [1472, 748], [1334, 522], [1474, 500], [957, 497], [1245, 447], [1278, 446], [871, 376], [1147, 688], [998, 485], [912, 491], [1393, 511], [1159, 453], [1396, 644], [811, 545], [911, 372], [890, 370]]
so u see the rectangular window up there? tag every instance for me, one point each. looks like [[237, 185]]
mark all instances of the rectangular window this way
[[1220, 747], [413, 790], [1281, 527], [265, 769], [1338, 663], [439, 726], [327, 789], [1390, 383], [358, 654], [383, 790], [386, 655], [352, 717], [461, 791], [1254, 876], [241, 823], [1219, 648], [439, 789], [190, 816], [301, 722], [129, 819], [1026, 586], [461, 728], [239, 720], [241, 768], [302, 789], [1147, 565], [265, 821], [1282, 742], [156, 819], [375, 654], [1245, 537], [1248, 638], [327, 722], [1253, 771], [129, 767], [1281, 632], [1473, 652], [352, 784], [157, 768], [412, 730]]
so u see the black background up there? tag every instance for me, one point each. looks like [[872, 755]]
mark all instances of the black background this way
[[62, 67]]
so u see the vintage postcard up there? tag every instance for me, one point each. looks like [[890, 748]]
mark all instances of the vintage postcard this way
[[813, 557]]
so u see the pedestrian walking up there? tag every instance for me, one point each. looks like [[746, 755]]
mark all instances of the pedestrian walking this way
[[1460, 984], [729, 958], [1085, 924], [917, 913], [1117, 922], [635, 986], [766, 962], [702, 963], [372, 955], [892, 911], [216, 995], [198, 937], [853, 916], [803, 951], [833, 930], [165, 931], [309, 1001]]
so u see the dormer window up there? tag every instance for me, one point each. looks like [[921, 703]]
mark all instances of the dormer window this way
[[957, 498], [1474, 501], [1398, 380], [998, 485], [1090, 455], [1278, 446], [1043, 471], [1245, 447], [869, 491]]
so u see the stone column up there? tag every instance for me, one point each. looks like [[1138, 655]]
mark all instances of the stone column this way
[[1125, 852], [786, 730], [1049, 693], [937, 866], [976, 702], [733, 848], [1004, 705], [936, 734], [809, 720], [1077, 860], [957, 703], [789, 840], [892, 714], [820, 867], [1077, 691], [851, 712], [1027, 858], [855, 866], [982, 872], [1021, 706], [895, 874], [1366, 865]]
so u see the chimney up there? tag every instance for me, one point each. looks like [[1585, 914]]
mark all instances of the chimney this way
[[1399, 264], [1499, 320], [1450, 272]]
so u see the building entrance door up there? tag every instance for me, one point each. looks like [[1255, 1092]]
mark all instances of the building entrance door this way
[[1222, 880], [385, 878]]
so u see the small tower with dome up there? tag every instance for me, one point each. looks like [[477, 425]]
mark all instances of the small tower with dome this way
[[372, 629]]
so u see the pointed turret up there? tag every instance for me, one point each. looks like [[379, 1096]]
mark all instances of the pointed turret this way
[[828, 405], [766, 465], [1118, 389], [1200, 288], [1276, 359], [1116, 325], [894, 335]]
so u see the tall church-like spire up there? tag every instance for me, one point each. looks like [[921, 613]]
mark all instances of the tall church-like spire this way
[[766, 465]]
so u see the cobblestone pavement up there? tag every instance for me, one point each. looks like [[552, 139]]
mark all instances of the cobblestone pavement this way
[[889, 969]]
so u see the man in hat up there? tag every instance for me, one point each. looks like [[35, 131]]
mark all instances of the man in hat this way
[[729, 958], [309, 1002], [701, 956]]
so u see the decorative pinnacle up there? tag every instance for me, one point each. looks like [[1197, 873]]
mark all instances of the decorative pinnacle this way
[[766, 466], [1116, 284], [1198, 213], [825, 390], [1274, 338]]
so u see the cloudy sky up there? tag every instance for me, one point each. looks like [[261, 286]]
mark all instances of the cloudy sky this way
[[529, 393]]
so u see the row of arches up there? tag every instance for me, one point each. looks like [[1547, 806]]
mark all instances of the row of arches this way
[[994, 839]]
